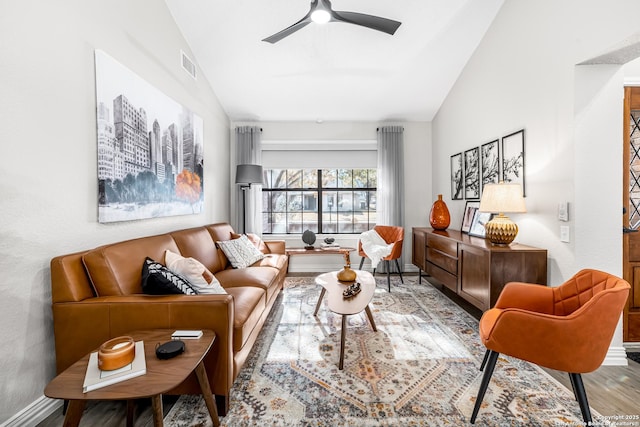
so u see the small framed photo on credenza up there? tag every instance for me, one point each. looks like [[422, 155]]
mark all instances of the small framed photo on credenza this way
[[477, 224], [470, 209]]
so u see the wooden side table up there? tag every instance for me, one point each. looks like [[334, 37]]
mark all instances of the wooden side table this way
[[319, 251], [161, 376]]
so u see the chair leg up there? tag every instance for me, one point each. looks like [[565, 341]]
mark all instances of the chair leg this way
[[388, 264], [361, 263], [491, 364], [581, 396], [573, 387], [484, 360], [399, 271]]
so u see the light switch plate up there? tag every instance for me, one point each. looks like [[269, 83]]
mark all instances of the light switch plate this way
[[563, 211], [564, 233]]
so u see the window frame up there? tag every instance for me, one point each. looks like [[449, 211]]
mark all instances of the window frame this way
[[319, 191]]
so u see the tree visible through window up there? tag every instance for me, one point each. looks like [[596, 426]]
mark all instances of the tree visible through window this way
[[327, 201]]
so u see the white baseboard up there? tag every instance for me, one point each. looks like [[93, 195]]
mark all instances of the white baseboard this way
[[616, 356], [632, 346], [34, 414]]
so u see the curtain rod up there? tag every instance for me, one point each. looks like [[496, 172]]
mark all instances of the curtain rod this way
[[378, 129]]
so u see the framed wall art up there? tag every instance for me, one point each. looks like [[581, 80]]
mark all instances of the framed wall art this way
[[513, 159], [457, 183], [490, 162], [150, 148], [472, 173], [470, 209]]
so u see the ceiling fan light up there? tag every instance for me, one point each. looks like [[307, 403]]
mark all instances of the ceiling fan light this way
[[320, 16]]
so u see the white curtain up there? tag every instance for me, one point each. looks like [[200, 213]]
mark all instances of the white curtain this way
[[390, 190], [248, 152]]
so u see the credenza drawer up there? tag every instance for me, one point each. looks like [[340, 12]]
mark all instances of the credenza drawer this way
[[443, 244], [447, 279], [443, 260]]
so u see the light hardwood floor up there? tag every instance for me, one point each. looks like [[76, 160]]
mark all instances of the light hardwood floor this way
[[611, 390]]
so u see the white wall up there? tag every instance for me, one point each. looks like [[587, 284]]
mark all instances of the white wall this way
[[417, 157], [522, 76], [525, 75], [48, 178]]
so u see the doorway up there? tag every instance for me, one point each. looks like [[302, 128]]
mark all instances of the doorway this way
[[631, 211]]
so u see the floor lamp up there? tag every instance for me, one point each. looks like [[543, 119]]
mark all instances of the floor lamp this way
[[245, 176]]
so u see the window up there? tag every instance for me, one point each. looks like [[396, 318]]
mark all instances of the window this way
[[327, 201]]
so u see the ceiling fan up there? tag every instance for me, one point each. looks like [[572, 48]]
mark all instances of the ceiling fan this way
[[321, 13]]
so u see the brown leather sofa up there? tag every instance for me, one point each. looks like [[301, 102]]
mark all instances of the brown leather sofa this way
[[97, 295]]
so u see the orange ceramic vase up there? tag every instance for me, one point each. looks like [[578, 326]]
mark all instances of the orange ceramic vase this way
[[439, 217]]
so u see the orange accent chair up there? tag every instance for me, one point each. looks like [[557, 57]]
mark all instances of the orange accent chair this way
[[391, 234], [568, 328]]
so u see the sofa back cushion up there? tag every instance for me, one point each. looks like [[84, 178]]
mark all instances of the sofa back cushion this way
[[197, 243], [221, 232], [116, 269], [69, 280]]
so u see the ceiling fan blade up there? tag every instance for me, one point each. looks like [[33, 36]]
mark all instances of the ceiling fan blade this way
[[385, 25], [289, 30]]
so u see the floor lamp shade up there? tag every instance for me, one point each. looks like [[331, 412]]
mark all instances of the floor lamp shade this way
[[249, 174], [245, 176], [501, 198]]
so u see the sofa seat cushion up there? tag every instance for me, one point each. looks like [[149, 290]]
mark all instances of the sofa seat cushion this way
[[272, 260], [260, 277], [249, 303], [263, 277]]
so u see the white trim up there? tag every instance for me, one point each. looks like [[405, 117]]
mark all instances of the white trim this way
[[34, 414], [616, 356], [632, 81], [632, 346]]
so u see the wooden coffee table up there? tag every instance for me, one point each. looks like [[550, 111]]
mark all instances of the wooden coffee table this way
[[161, 376], [346, 306]]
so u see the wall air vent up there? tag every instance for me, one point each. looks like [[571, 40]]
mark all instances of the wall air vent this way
[[188, 65]]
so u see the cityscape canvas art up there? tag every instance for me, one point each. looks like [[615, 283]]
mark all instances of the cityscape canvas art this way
[[150, 148]]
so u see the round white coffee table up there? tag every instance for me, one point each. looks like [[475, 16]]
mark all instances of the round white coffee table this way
[[346, 306]]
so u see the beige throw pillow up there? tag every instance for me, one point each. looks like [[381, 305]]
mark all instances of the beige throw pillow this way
[[240, 252], [195, 272]]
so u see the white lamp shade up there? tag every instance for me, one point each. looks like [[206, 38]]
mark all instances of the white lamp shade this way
[[249, 174], [502, 198]]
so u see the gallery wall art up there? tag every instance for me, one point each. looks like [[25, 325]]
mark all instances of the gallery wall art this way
[[150, 148], [513, 158], [457, 182], [489, 163], [472, 173]]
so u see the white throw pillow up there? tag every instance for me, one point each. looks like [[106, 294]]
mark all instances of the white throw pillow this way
[[240, 252], [195, 272]]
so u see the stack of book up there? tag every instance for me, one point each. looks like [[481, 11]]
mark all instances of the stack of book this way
[[329, 246], [96, 378]]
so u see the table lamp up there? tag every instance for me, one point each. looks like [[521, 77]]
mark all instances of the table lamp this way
[[501, 198], [245, 176]]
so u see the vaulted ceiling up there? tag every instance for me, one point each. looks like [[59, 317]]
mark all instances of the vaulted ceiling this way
[[334, 71]]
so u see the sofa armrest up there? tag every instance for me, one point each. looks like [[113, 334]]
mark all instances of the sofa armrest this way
[[81, 327], [276, 246]]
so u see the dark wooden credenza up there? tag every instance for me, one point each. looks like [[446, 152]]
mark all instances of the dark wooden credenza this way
[[472, 267]]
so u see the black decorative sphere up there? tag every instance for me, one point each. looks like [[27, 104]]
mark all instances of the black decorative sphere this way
[[309, 237]]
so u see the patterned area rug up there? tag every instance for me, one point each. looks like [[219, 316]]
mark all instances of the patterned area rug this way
[[635, 356], [419, 369]]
